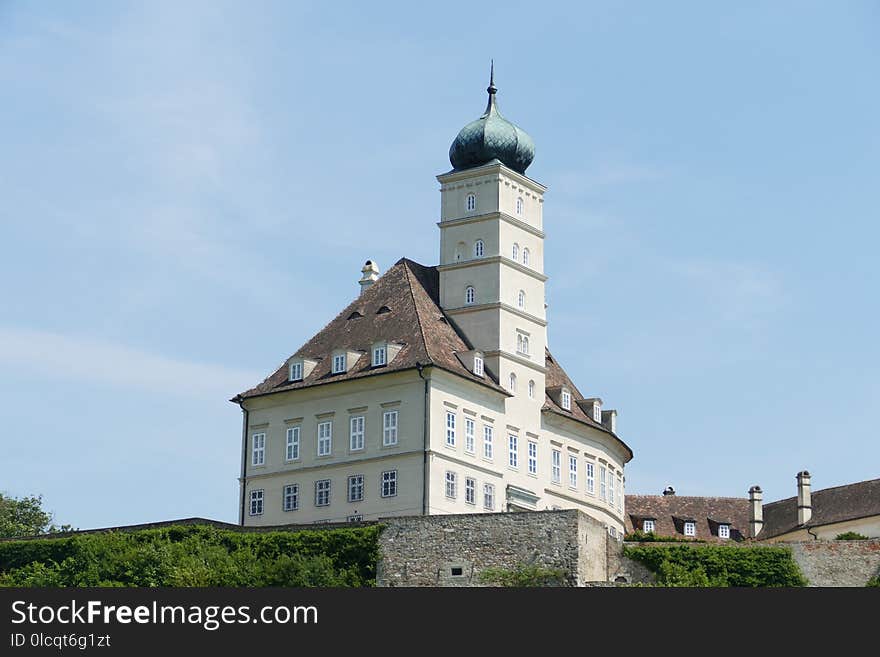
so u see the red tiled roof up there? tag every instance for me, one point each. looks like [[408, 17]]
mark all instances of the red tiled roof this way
[[670, 512]]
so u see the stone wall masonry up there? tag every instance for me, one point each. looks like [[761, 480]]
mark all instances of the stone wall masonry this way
[[837, 563], [452, 550]]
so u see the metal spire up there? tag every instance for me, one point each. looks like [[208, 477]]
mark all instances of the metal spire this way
[[492, 89]]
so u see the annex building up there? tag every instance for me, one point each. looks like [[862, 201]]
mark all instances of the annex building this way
[[434, 391]]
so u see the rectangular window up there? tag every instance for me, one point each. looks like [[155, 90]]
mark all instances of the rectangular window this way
[[602, 481], [356, 435], [489, 497], [611, 489], [566, 400], [292, 453], [647, 526], [379, 354], [322, 492], [325, 438], [357, 517], [533, 458], [572, 471], [469, 435], [450, 429], [257, 502], [389, 483], [451, 485], [356, 488], [470, 490], [296, 371], [556, 467], [389, 428], [511, 451], [291, 497], [690, 529], [723, 531], [619, 492], [589, 472], [488, 437], [478, 366], [259, 451], [338, 363]]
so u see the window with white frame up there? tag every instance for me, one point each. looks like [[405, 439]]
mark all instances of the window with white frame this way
[[450, 429], [597, 412], [566, 400], [522, 343], [478, 365], [470, 202], [531, 389], [259, 449], [512, 382], [257, 502], [470, 490], [515, 252], [589, 473], [389, 483], [470, 295], [556, 466], [619, 492], [647, 526], [521, 299], [611, 489], [451, 484], [291, 497], [389, 428], [527, 257], [602, 491], [469, 435], [519, 205], [325, 438], [292, 452], [512, 452], [723, 531], [322, 492], [356, 441], [338, 363], [690, 528], [296, 371], [533, 458], [356, 488], [380, 355], [572, 471], [478, 249], [488, 438], [489, 497]]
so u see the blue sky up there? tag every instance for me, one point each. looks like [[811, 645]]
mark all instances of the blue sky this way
[[189, 190]]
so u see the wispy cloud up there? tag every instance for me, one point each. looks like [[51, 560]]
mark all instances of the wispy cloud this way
[[75, 358]]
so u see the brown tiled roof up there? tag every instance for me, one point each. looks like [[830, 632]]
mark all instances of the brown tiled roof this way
[[830, 505], [411, 292], [670, 512], [557, 378]]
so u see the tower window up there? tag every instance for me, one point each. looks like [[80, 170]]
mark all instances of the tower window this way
[[522, 343], [531, 389], [470, 295], [471, 202], [527, 256], [519, 205], [521, 300], [478, 249], [512, 385], [515, 254]]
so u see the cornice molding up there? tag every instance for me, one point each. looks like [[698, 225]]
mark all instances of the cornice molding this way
[[492, 216], [493, 260]]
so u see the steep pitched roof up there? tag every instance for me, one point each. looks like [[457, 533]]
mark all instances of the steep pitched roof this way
[[670, 512], [408, 297], [830, 505]]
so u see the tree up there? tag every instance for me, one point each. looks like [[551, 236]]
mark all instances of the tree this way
[[25, 517]]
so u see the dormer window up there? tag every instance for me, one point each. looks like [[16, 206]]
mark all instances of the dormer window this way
[[527, 256], [723, 531], [380, 355], [471, 202], [296, 371], [648, 526], [597, 411], [470, 295], [690, 528], [515, 254], [338, 363], [566, 399], [478, 365], [478, 249], [519, 205]]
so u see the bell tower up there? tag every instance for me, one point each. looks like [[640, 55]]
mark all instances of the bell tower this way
[[492, 250]]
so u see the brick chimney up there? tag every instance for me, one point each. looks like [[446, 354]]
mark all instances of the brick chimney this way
[[804, 501], [756, 510], [370, 275]]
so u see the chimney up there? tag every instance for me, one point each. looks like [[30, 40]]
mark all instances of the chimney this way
[[371, 275], [756, 510], [805, 504], [669, 490]]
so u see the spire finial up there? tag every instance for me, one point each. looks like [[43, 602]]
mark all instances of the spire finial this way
[[492, 89]]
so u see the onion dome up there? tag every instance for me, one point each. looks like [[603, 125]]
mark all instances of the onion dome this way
[[490, 138]]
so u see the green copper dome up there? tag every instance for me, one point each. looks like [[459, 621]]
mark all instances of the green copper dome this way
[[492, 137]]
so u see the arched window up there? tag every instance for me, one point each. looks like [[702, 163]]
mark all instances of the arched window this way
[[521, 299], [470, 295], [471, 202], [512, 382], [526, 256], [519, 205], [459, 250], [531, 389], [515, 251], [478, 249], [525, 348], [519, 342]]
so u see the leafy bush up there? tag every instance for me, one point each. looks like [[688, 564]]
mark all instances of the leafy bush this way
[[874, 581], [850, 536], [195, 555], [638, 536], [718, 565], [523, 575]]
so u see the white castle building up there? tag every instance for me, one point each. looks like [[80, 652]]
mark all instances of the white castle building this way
[[434, 391]]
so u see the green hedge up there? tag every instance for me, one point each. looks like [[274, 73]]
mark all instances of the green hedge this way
[[195, 555], [718, 565]]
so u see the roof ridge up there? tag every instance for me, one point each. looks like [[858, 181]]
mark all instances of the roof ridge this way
[[409, 273]]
